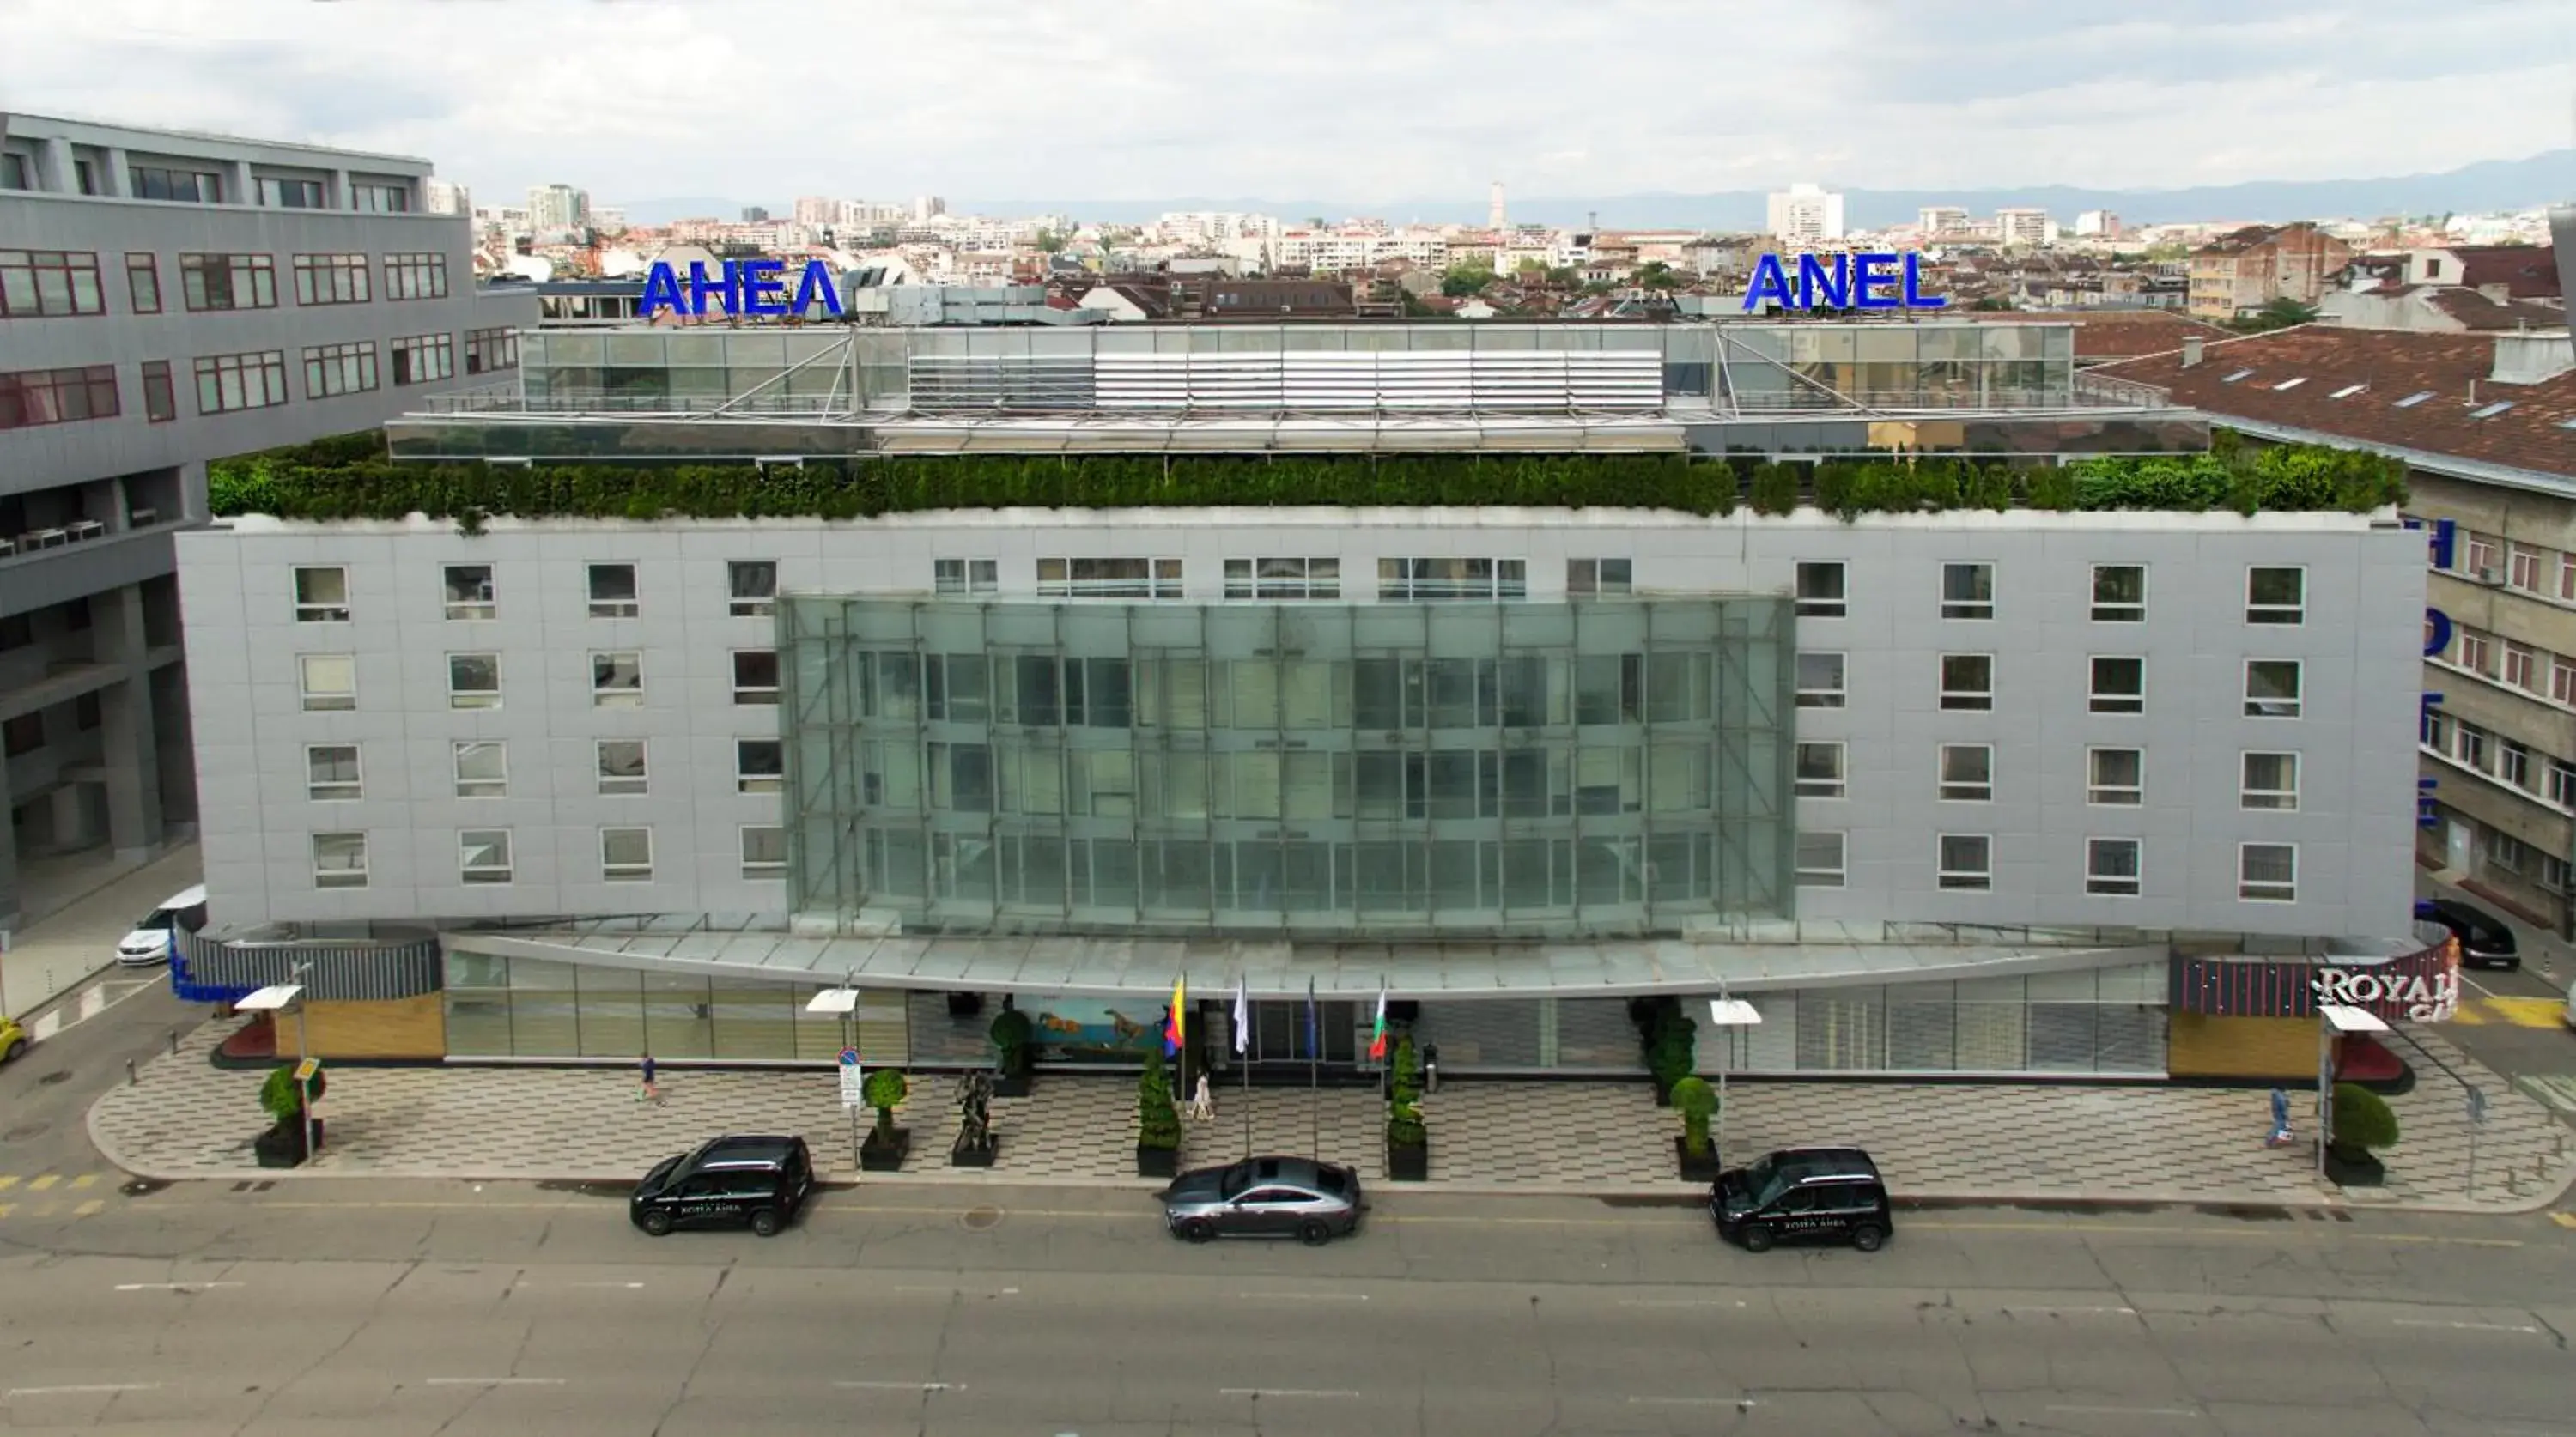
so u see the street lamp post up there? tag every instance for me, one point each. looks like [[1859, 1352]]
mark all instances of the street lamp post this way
[[1726, 1014], [2335, 1020], [842, 1002]]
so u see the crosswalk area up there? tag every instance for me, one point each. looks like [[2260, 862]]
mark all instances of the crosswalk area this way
[[2512, 1012], [93, 1000], [55, 1195]]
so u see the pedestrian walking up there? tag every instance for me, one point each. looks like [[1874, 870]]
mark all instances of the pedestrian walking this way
[[651, 1092], [2280, 1120]]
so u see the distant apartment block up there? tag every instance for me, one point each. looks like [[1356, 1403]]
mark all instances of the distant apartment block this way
[[1806, 214], [2024, 226], [1942, 219], [558, 207], [2249, 268]]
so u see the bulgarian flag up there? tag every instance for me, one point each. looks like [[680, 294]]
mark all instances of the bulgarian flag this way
[[1174, 1031], [1377, 1030]]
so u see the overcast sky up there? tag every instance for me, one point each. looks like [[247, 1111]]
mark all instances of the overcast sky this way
[[1359, 100]]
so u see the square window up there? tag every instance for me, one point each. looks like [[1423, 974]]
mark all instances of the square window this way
[[1820, 860], [322, 596], [2513, 763], [613, 594], [965, 576], [755, 676], [329, 682], [2115, 777], [2111, 867], [1968, 682], [1820, 589], [473, 681], [2276, 596], [2272, 688], [626, 855], [759, 765], [2475, 652], [1590, 578], [621, 766], [339, 860], [1968, 772], [470, 593], [2524, 569], [2269, 781], [1967, 591], [1820, 770], [1820, 681], [2522, 667], [617, 680], [482, 769], [752, 585], [764, 852], [331, 772], [483, 855], [2119, 593], [2267, 872], [1967, 862], [2119, 686]]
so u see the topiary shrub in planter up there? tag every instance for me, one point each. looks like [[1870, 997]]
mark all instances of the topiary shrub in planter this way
[[1158, 1125], [282, 1143], [1012, 1037], [1697, 1102], [1408, 1143], [1672, 1053], [2362, 1121], [886, 1144]]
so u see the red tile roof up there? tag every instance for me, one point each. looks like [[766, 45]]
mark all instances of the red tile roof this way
[[2117, 333], [2526, 271], [2242, 379]]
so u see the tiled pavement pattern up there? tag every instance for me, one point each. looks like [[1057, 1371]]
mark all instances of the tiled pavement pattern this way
[[185, 1119]]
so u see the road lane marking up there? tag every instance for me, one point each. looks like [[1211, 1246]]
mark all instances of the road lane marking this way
[[1304, 1296], [80, 1389], [1285, 1392], [171, 1286], [92, 1208], [2124, 1311], [2563, 1219], [629, 1286], [496, 1382], [902, 1386], [1679, 1302], [1693, 1401], [2467, 1326], [44, 1183], [2131, 1411], [8, 1182], [86, 1180]]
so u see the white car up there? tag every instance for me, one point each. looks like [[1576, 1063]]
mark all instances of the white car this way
[[2570, 1014], [149, 943]]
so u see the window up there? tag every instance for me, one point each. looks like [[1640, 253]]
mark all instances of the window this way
[[1820, 860], [380, 199], [755, 676], [1590, 578], [752, 587], [759, 765], [2522, 667], [1967, 862], [2478, 555], [470, 593], [488, 351], [2272, 688], [1439, 579], [160, 401], [33, 397], [2276, 596], [2513, 763], [965, 576], [415, 276], [2472, 745], [13, 171], [290, 194], [1967, 591], [1820, 589], [2554, 870], [2561, 783], [2567, 578], [226, 382], [2111, 867], [2119, 686], [2115, 777], [329, 682], [331, 772], [1820, 681], [22, 735], [483, 855], [154, 182], [1967, 772], [621, 766], [1283, 578], [2475, 652], [143, 282], [2267, 872], [322, 596], [2119, 593], [45, 283], [2562, 680], [2524, 570], [335, 369], [1109, 578], [339, 860], [482, 769], [1968, 682], [1820, 770], [613, 594], [617, 680], [228, 281], [2269, 783], [421, 358], [330, 279], [473, 681], [626, 855], [764, 852]]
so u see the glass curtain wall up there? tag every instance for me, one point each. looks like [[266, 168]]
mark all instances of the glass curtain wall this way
[[539, 1008]]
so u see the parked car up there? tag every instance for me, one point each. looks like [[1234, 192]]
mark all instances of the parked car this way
[[743, 1179], [2569, 1015], [149, 943], [2485, 941], [1265, 1197], [1804, 1195], [13, 1039]]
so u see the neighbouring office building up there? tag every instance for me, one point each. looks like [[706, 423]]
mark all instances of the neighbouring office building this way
[[1937, 792], [167, 298]]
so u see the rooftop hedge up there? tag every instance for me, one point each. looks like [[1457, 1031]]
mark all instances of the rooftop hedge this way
[[341, 479]]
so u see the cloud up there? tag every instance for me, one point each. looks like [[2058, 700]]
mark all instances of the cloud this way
[[1363, 100]]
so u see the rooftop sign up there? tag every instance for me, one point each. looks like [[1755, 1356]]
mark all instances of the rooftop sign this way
[[746, 287], [1871, 280]]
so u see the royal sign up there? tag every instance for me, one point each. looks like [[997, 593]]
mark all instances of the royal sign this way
[[745, 287], [1843, 281], [2423, 998]]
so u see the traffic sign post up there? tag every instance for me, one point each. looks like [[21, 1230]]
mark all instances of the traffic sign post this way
[[854, 1096], [2477, 1105]]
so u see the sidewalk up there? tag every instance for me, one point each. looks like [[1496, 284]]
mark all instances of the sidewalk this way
[[185, 1119]]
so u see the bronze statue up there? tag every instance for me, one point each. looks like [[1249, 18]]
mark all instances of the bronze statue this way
[[974, 1116]]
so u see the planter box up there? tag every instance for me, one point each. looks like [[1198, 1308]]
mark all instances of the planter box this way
[[2353, 1168], [279, 1148], [1157, 1162], [962, 1156], [1013, 1085], [876, 1157], [1695, 1169], [1409, 1164]]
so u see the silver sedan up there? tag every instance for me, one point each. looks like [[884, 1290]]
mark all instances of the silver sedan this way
[[1265, 1197]]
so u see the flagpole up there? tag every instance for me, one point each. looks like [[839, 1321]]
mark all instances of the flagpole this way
[[1314, 1075], [1243, 1055]]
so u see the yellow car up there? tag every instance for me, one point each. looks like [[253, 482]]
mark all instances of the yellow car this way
[[13, 1039]]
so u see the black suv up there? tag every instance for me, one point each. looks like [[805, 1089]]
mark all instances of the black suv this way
[[1804, 1195], [757, 1180], [2484, 940]]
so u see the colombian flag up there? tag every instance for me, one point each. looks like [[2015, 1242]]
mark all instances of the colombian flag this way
[[1377, 1030], [1174, 1030]]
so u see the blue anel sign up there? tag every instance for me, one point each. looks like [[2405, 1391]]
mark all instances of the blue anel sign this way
[[849, 1057], [1870, 280], [745, 287]]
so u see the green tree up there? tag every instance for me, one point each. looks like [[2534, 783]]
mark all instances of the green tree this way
[[1467, 277], [885, 1091], [2362, 1119], [1050, 241], [2279, 313], [1993, 303], [1655, 274], [1157, 1125], [1697, 1103]]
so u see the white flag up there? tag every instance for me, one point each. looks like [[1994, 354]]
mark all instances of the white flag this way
[[1242, 1018]]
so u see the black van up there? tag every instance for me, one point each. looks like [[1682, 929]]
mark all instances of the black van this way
[[1804, 1195], [761, 1181]]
